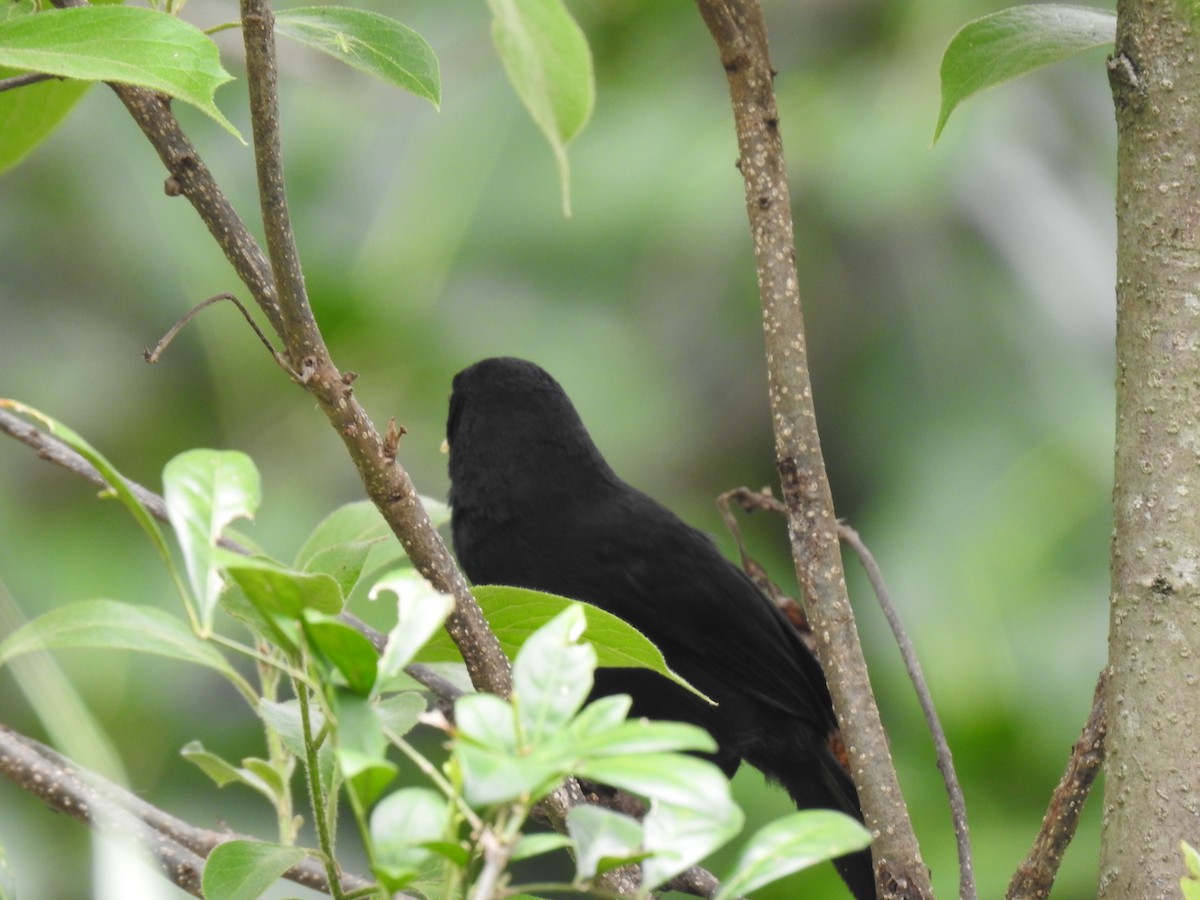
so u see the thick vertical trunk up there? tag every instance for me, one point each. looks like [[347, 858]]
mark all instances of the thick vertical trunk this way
[[1152, 792]]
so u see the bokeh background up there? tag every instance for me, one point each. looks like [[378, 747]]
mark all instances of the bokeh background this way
[[959, 311]]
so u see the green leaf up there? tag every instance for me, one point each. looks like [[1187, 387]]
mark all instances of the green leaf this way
[[420, 611], [274, 588], [284, 719], [126, 44], [28, 115], [367, 777], [350, 652], [602, 837], [668, 777], [256, 774], [638, 736], [549, 64], [400, 712], [352, 523], [1189, 884], [8, 885], [543, 842], [790, 844], [111, 625], [552, 676], [107, 471], [998, 47], [402, 821], [369, 42], [241, 870], [204, 491], [681, 836], [515, 613]]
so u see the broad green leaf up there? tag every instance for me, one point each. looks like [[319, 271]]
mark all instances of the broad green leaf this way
[[369, 42], [111, 625], [637, 736], [403, 821], [284, 719], [348, 544], [515, 613], [420, 612], [603, 837], [358, 727], [367, 777], [667, 777], [491, 776], [548, 61], [264, 780], [106, 469], [400, 712], [552, 676], [1189, 884], [242, 870], [543, 842], [352, 523], [204, 491], [678, 837], [1000, 46], [350, 652], [29, 114], [274, 588], [790, 844], [132, 45]]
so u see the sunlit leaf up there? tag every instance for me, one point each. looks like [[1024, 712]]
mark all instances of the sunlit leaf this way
[[369, 42], [549, 63], [790, 844], [126, 44], [107, 624], [242, 870], [1002, 45], [204, 491]]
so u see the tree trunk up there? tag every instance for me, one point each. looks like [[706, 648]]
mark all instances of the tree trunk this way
[[1152, 793]]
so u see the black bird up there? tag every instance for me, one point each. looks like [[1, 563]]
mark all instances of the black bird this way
[[534, 505]]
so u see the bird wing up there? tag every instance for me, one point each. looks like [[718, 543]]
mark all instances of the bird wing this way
[[714, 626]]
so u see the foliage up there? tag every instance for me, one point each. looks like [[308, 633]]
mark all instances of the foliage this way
[[352, 704], [1000, 46]]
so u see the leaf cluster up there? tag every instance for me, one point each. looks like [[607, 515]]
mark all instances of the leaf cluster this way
[[353, 704]]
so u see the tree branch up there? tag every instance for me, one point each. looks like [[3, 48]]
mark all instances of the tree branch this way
[[750, 501], [178, 847], [739, 31], [1035, 876], [387, 484]]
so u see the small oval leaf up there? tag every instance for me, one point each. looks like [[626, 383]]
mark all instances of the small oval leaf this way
[[998, 47], [130, 45], [369, 42], [242, 870]]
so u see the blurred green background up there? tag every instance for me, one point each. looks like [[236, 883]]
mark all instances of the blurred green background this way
[[959, 315]]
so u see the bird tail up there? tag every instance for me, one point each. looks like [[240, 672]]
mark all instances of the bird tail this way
[[833, 789]]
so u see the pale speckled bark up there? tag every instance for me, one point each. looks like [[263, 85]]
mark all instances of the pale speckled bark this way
[[738, 29], [1152, 790]]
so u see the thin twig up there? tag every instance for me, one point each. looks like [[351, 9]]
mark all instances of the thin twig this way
[[388, 485], [20, 81], [945, 761], [1035, 876], [763, 500], [152, 356]]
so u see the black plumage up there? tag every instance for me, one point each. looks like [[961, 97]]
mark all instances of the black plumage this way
[[535, 505]]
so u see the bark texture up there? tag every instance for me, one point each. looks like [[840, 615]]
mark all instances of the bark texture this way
[[1152, 791]]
